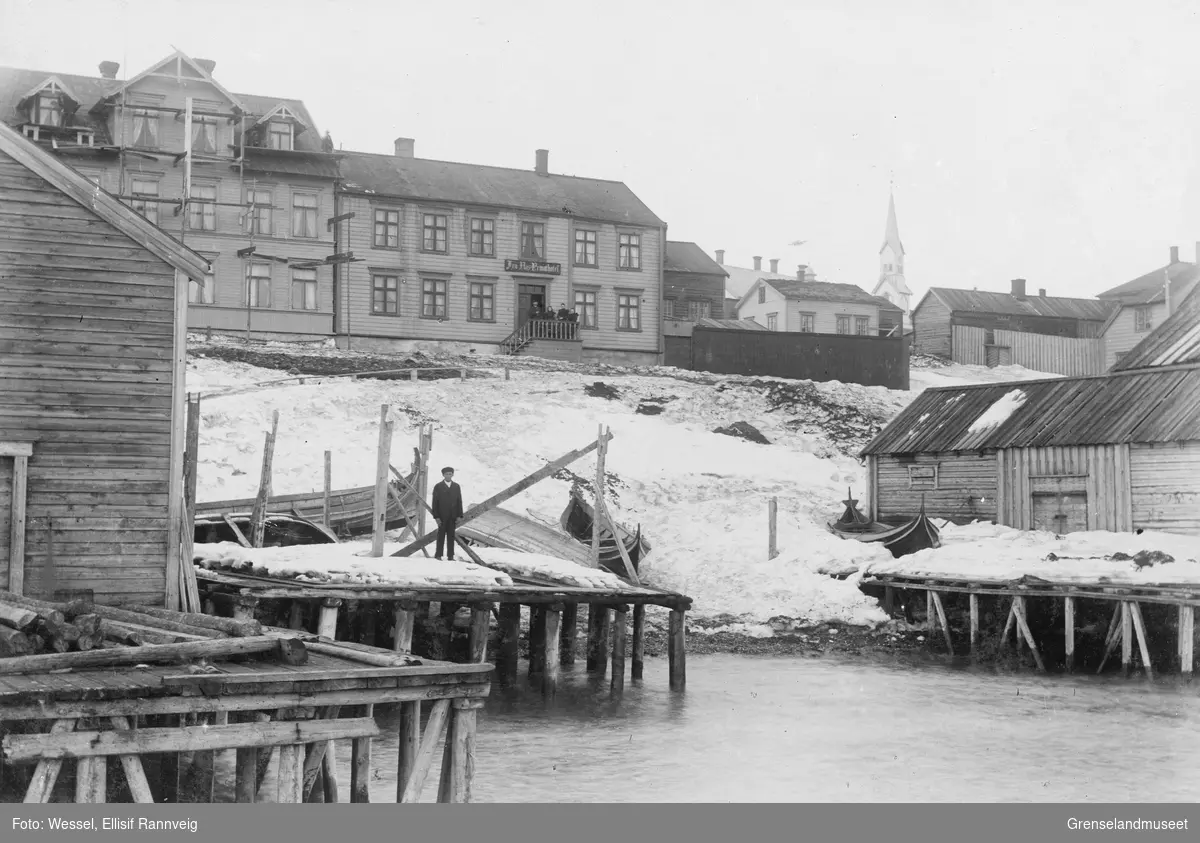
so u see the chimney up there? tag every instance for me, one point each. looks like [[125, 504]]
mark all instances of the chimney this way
[[774, 266], [405, 147], [543, 162], [1018, 288], [206, 65], [108, 69], [1042, 292], [757, 263], [721, 254], [1174, 254], [801, 272]]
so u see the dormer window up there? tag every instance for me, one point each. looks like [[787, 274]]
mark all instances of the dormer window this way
[[279, 135], [48, 109]]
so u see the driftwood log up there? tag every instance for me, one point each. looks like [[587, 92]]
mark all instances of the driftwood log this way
[[151, 653]]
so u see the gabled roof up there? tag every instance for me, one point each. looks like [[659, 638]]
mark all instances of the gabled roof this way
[[892, 235], [740, 278], [15, 83], [1006, 304], [282, 107], [1149, 288], [1146, 406], [821, 291], [1175, 341], [183, 60], [898, 280], [688, 257], [422, 179], [45, 83], [103, 204]]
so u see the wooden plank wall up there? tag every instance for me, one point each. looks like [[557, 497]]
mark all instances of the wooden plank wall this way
[[1039, 352], [6, 473], [1165, 481], [1104, 475], [966, 489], [86, 326], [931, 328]]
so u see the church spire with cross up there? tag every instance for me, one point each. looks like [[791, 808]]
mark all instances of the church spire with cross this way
[[891, 284]]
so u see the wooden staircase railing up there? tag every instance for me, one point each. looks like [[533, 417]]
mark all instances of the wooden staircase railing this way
[[539, 329]]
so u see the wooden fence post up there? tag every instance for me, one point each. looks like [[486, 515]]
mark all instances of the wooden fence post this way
[[328, 487], [258, 516], [383, 460], [772, 510]]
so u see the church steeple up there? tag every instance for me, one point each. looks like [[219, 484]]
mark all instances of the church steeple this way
[[892, 285], [892, 236]]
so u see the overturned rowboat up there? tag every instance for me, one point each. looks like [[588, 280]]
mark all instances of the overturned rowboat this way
[[279, 530], [917, 534], [577, 519]]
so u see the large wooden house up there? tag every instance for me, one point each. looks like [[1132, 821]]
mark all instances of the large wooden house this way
[[1115, 452], [93, 300], [1142, 304], [261, 180], [460, 254]]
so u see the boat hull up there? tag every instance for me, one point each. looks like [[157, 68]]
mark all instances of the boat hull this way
[[577, 519], [917, 534]]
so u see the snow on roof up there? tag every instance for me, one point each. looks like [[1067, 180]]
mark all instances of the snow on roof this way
[[999, 412]]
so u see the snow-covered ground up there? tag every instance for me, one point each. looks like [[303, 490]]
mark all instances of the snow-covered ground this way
[[700, 497]]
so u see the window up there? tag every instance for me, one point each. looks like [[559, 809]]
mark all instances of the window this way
[[258, 285], [762, 294], [304, 215], [204, 290], [434, 228], [772, 321], [304, 289], [148, 207], [483, 237], [808, 323], [385, 295], [1141, 319], [668, 308], [433, 298], [258, 217], [585, 306], [862, 324], [204, 135], [843, 324], [145, 128], [533, 241], [48, 110], [279, 136], [923, 476], [698, 310], [629, 312], [387, 229], [202, 207], [482, 302], [989, 336], [629, 251], [585, 248]]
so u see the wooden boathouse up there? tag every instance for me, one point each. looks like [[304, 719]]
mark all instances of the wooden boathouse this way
[[1117, 452], [92, 307]]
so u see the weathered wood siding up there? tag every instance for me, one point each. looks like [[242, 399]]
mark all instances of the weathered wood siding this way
[[965, 492], [1102, 472], [931, 327], [868, 360], [679, 288], [1122, 334], [86, 325], [1039, 352], [825, 314], [1165, 482], [409, 262]]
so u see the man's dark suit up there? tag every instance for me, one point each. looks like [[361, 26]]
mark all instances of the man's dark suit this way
[[447, 509]]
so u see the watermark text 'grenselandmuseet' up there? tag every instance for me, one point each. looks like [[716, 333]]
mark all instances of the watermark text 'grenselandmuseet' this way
[[1139, 824]]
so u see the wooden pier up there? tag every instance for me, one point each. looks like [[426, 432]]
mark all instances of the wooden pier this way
[[365, 613], [1119, 608]]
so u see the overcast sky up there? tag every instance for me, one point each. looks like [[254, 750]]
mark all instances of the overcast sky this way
[[1048, 140]]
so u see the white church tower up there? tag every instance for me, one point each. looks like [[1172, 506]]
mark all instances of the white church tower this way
[[892, 285]]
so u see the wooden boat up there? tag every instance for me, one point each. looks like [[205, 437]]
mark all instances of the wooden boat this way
[[278, 530], [351, 511], [507, 530], [577, 520], [917, 534]]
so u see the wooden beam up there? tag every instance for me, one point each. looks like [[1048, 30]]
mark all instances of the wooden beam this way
[[620, 625], [598, 498], [677, 650], [360, 766], [242, 540], [405, 621], [382, 458], [150, 653], [550, 647], [258, 516], [1187, 639], [409, 745], [1069, 631], [16, 449], [135, 775], [507, 659], [974, 607], [1113, 636], [16, 544], [462, 750], [41, 786], [1126, 638], [1135, 612], [630, 572], [189, 591], [435, 731], [637, 665], [772, 518], [481, 620], [498, 498], [1023, 626], [570, 632], [328, 488], [941, 615]]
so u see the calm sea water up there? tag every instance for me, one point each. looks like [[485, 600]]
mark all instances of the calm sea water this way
[[799, 729]]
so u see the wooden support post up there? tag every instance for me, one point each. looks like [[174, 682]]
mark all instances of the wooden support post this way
[[406, 616], [291, 774], [1069, 631], [245, 777], [131, 765], [974, 605], [508, 658], [603, 636], [930, 616], [1113, 636], [366, 622], [360, 766], [328, 488], [941, 616], [551, 627], [435, 731], [258, 515], [537, 641], [601, 453], [1009, 624], [382, 460], [889, 599], [1187, 640], [91, 780], [593, 636], [189, 590], [410, 744], [1135, 612], [620, 625], [506, 373], [481, 622], [16, 544], [244, 607], [425, 446], [327, 625], [45, 776], [1126, 638], [462, 750], [296, 615], [772, 516], [677, 649], [639, 641], [1023, 627], [570, 631]]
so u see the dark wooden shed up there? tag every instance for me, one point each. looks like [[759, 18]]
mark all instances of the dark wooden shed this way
[[93, 303]]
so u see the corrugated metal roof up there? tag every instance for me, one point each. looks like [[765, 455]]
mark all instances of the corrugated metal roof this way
[[684, 256], [977, 301], [1148, 288], [1144, 406], [1175, 341], [476, 184]]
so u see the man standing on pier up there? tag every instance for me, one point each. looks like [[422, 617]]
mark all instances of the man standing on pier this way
[[447, 509]]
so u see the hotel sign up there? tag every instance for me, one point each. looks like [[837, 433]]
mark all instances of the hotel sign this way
[[533, 267]]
